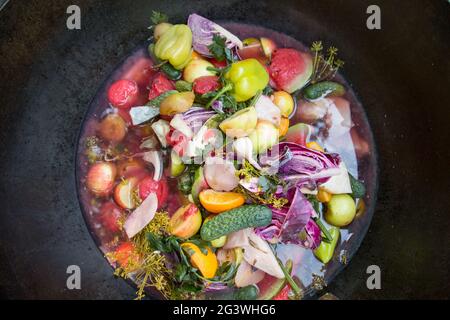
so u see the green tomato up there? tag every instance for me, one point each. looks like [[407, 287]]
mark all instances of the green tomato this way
[[341, 210], [219, 242]]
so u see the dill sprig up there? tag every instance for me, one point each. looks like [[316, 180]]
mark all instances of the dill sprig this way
[[148, 269], [325, 67]]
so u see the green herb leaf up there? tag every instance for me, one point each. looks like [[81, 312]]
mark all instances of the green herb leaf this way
[[217, 48], [158, 17]]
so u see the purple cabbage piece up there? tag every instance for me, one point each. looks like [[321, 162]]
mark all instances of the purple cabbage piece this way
[[203, 31], [305, 165], [310, 236], [195, 117], [288, 224]]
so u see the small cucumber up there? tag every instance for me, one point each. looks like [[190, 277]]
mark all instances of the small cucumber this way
[[358, 188], [246, 293], [323, 89], [247, 216]]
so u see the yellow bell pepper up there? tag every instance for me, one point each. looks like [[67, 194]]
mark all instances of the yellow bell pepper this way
[[175, 46], [248, 77]]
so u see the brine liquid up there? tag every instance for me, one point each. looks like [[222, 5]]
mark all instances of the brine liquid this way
[[356, 148]]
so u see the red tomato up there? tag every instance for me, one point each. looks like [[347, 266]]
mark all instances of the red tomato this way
[[124, 253], [123, 93], [160, 84], [283, 294], [109, 216], [206, 84], [141, 72], [148, 185], [217, 63]]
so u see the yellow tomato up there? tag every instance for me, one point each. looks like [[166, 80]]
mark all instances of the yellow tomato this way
[[284, 101]]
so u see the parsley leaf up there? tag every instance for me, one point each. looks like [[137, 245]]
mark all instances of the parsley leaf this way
[[218, 48], [158, 17]]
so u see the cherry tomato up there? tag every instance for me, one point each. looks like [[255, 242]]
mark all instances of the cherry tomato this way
[[206, 84], [148, 185], [125, 254], [123, 93], [113, 128], [109, 216], [160, 84]]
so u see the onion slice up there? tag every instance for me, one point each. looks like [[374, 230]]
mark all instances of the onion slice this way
[[141, 216]]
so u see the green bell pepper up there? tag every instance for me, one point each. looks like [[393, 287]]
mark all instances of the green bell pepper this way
[[325, 251], [175, 46], [248, 77]]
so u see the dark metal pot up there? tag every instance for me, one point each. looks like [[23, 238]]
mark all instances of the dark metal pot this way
[[48, 74]]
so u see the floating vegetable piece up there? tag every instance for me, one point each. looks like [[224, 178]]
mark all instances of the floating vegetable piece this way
[[243, 147], [298, 133], [199, 184], [260, 255], [246, 216], [220, 174], [176, 164], [203, 31], [165, 67], [323, 196], [241, 123], [206, 263], [325, 251], [253, 49], [113, 128], [267, 110], [155, 158], [323, 89], [268, 46], [123, 93], [148, 185], [177, 103], [142, 114], [179, 124], [175, 46], [341, 210], [339, 183], [123, 193], [248, 77], [197, 68], [311, 111], [246, 293], [271, 286], [186, 221], [161, 129], [216, 202], [246, 275], [284, 101], [100, 178], [290, 69], [264, 136], [287, 223], [141, 216]]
